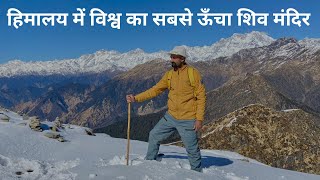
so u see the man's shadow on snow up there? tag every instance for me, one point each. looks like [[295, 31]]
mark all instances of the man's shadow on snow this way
[[207, 161]]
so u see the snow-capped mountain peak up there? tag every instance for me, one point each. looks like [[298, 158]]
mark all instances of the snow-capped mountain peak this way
[[227, 47]]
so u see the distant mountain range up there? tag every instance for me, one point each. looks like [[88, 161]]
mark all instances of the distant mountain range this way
[[113, 61]]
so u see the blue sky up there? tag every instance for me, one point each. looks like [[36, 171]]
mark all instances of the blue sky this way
[[48, 43]]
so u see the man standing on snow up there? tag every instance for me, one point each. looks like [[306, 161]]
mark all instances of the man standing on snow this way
[[186, 106]]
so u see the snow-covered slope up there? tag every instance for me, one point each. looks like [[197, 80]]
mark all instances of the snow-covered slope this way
[[27, 154], [311, 43], [112, 60]]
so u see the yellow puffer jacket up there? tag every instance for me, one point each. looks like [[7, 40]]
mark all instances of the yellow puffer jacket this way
[[182, 104]]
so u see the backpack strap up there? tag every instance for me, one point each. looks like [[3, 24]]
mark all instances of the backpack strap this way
[[191, 79], [191, 76], [169, 78]]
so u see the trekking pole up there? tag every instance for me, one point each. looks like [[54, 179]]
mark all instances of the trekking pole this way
[[128, 133]]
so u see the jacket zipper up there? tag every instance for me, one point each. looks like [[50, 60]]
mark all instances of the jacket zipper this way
[[178, 110]]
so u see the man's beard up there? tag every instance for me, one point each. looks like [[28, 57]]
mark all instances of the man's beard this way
[[175, 66]]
